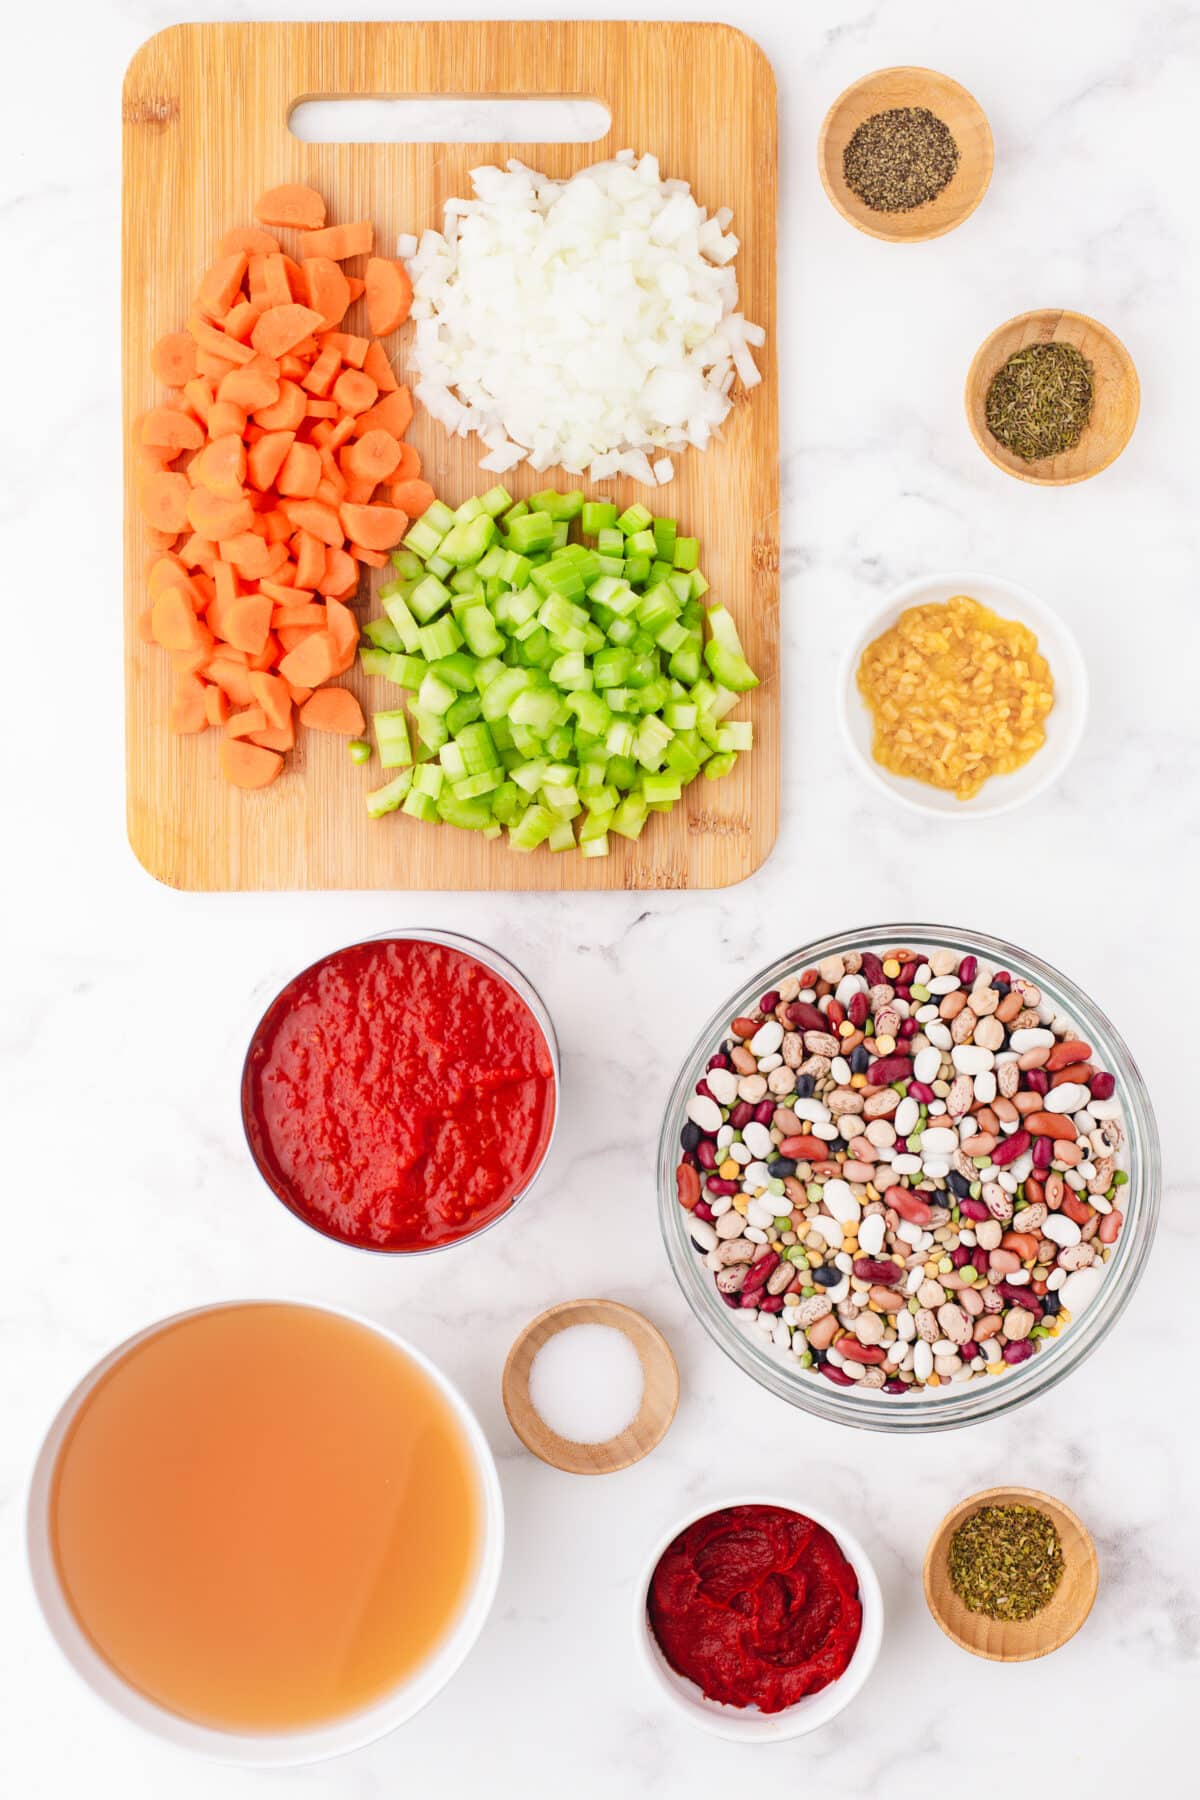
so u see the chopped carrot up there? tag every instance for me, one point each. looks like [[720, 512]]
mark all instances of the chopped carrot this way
[[252, 556], [201, 394], [163, 498], [316, 517], [214, 367], [330, 492], [359, 493], [191, 662], [343, 628], [247, 238], [323, 374], [166, 571], [226, 420], [412, 497], [276, 737], [221, 467], [389, 295], [393, 413], [370, 559], [340, 241], [286, 413], [306, 613], [187, 708], [408, 469], [311, 662], [277, 527], [372, 457], [352, 350], [174, 622], [334, 709], [251, 389], [301, 472], [282, 328], [327, 288], [271, 693], [216, 704], [340, 579], [247, 622], [286, 595], [375, 527], [241, 319], [241, 724], [310, 559], [341, 433], [215, 516], [375, 364], [322, 409], [222, 285], [265, 458], [216, 342], [290, 636], [173, 358], [276, 286], [198, 552], [291, 204], [249, 765], [354, 391], [165, 427]]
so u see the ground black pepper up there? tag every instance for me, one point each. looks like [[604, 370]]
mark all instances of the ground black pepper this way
[[900, 159]]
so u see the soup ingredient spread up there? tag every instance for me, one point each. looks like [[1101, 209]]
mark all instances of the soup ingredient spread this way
[[586, 1383], [265, 1517], [757, 1605], [270, 476], [551, 680], [957, 694], [900, 159], [589, 322], [1006, 1561], [902, 1167], [399, 1095], [1039, 401]]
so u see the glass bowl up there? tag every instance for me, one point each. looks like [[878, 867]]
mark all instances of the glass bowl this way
[[524, 990], [955, 1403]]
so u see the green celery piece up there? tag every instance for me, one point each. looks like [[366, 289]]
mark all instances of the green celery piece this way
[[437, 565], [478, 748], [684, 759], [453, 762], [681, 715], [428, 778], [532, 829], [465, 711], [507, 800], [560, 742], [635, 518], [528, 775], [402, 620], [440, 638], [435, 696], [559, 506], [421, 806], [622, 632], [439, 517], [499, 695], [474, 787], [611, 543], [699, 585], [664, 537], [470, 509], [641, 543], [685, 664], [533, 532], [652, 740], [496, 501], [391, 734], [630, 817], [467, 815], [597, 516], [738, 734], [621, 738], [467, 589], [657, 788], [457, 670], [563, 802], [719, 765], [687, 553], [375, 662], [408, 566], [382, 634], [594, 714], [723, 653], [466, 543], [387, 798], [623, 773], [407, 671], [422, 540], [611, 665], [427, 599], [637, 569], [562, 836], [538, 707]]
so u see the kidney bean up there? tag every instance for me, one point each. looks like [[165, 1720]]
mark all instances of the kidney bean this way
[[858, 1010], [1052, 1125], [969, 1351], [718, 1185], [764, 1112], [1009, 1150], [1020, 1296], [911, 1206], [874, 1269], [919, 1090], [968, 968], [687, 1185], [838, 1378], [743, 1027], [872, 969], [1068, 1154], [733, 1300], [703, 1210], [804, 1148], [750, 1296], [1110, 1227], [1075, 1208], [1074, 1072], [691, 1159], [1023, 1243], [706, 1154], [771, 1303], [895, 1386], [741, 1115], [810, 978], [1038, 1081], [769, 1001], [1102, 1085], [804, 1016], [835, 1014], [1068, 1051], [908, 972], [702, 1087], [972, 1209], [979, 1260], [886, 1069], [718, 1060], [908, 1029], [902, 992], [853, 1351], [1035, 1193], [1018, 1352], [763, 1266], [1043, 1153], [960, 1256]]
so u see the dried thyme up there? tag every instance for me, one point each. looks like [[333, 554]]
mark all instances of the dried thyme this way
[[900, 159], [1040, 400], [1006, 1562]]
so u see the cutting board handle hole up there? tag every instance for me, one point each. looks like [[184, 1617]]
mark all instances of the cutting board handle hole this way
[[450, 119]]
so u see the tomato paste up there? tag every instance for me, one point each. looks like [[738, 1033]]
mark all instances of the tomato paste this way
[[399, 1094], [757, 1605]]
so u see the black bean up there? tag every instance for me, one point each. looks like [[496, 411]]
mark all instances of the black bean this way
[[958, 1184], [826, 1276], [1051, 1304], [1001, 986], [835, 1146], [690, 1136], [860, 1060], [819, 1357], [804, 1087], [781, 1168]]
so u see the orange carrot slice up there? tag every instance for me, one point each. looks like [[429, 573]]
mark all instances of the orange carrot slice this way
[[291, 204], [340, 241], [173, 358], [249, 765], [334, 709], [389, 295], [375, 527]]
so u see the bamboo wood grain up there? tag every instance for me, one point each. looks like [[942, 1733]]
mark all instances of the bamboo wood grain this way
[[205, 131], [1116, 394], [660, 1394], [1025, 1639]]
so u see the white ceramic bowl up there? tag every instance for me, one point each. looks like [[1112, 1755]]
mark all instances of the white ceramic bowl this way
[[1064, 726], [747, 1725], [263, 1749]]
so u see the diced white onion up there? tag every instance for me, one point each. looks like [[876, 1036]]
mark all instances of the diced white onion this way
[[584, 323]]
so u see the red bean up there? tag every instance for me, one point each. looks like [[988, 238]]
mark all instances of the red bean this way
[[968, 968], [903, 992], [979, 1260], [895, 1386], [719, 1061], [919, 1090], [858, 1010], [702, 1210], [687, 1185], [972, 1209], [764, 1112], [804, 1016], [872, 968], [741, 1115], [883, 1273], [1043, 1152], [853, 1351], [716, 1184], [758, 1271], [1110, 1227], [771, 1303], [690, 1157], [836, 1014], [960, 1256], [1018, 1352], [706, 1153], [1102, 1085], [733, 1300], [769, 1002], [1020, 1296], [1008, 1149], [743, 1027], [838, 1378], [911, 1206], [908, 973], [969, 1351], [1038, 1080], [908, 1029], [886, 1069]]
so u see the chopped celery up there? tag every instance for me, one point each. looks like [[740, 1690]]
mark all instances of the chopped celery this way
[[386, 799], [391, 734]]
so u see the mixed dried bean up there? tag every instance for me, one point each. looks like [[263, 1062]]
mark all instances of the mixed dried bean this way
[[905, 1167]]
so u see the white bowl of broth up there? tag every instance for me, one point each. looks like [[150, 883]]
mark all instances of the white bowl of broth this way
[[265, 1531]]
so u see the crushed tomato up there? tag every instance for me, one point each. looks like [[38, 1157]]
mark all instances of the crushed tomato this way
[[399, 1094]]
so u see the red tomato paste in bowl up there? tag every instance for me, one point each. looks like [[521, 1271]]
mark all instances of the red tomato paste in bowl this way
[[757, 1605], [400, 1094]]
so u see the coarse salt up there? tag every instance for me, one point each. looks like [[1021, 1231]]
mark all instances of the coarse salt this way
[[586, 1383]]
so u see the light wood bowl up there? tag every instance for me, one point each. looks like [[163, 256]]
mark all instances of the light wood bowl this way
[[957, 109], [1026, 1639], [1115, 403], [660, 1394]]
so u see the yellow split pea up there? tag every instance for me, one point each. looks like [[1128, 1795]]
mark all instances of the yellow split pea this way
[[957, 694]]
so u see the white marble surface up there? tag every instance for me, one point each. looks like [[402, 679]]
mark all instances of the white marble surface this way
[[128, 1193]]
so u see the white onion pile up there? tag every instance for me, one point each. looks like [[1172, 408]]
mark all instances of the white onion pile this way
[[586, 323]]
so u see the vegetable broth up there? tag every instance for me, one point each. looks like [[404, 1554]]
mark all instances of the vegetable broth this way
[[265, 1517]]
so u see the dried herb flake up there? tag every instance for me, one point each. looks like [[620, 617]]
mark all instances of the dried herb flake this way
[[1040, 400], [1006, 1561]]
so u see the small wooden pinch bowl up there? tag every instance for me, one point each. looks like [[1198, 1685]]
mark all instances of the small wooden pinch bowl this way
[[1014, 1640], [1116, 394], [958, 110], [660, 1391]]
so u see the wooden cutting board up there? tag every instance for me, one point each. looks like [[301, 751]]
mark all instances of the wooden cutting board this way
[[205, 115]]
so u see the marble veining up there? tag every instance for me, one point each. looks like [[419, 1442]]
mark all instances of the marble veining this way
[[128, 1191]]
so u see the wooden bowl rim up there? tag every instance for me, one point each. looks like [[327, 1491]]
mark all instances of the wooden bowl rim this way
[[622, 1451], [975, 383], [862, 219], [1059, 1511]]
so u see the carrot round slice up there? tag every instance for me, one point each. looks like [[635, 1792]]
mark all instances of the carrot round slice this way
[[281, 328], [169, 428], [412, 496], [249, 765], [354, 392], [221, 467], [291, 204], [389, 295], [328, 289], [217, 516], [333, 709], [249, 239], [163, 498], [372, 457], [173, 358]]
